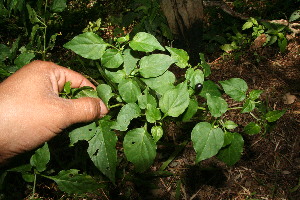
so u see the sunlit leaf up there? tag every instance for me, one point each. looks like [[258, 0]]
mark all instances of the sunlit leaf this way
[[154, 65], [88, 45], [252, 128], [104, 92], [129, 90], [157, 132], [40, 158], [273, 116], [162, 83], [180, 56], [145, 42], [207, 141], [82, 133], [216, 105], [236, 88], [112, 58]]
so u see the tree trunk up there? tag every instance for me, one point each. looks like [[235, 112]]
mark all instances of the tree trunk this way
[[185, 19]]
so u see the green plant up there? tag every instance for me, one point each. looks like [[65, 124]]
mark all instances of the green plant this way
[[144, 96], [36, 17]]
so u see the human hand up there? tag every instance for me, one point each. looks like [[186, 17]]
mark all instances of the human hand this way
[[31, 111]]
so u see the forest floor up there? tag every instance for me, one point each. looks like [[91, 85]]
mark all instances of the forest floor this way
[[270, 165]]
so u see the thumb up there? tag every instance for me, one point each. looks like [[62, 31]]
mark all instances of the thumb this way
[[86, 109]]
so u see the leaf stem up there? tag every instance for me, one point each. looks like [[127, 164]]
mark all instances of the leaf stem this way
[[34, 186]]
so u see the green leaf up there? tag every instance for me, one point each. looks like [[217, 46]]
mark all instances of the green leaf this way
[[126, 114], [162, 83], [230, 125], [209, 87], [88, 45], [282, 43], [207, 141], [145, 42], [112, 58], [139, 148], [58, 5], [273, 116], [216, 105], [175, 101], [4, 52], [116, 77], [294, 16], [82, 133], [191, 110], [71, 182], [228, 137], [252, 128], [24, 59], [248, 106], [104, 92], [255, 94], [102, 150], [129, 90], [194, 77], [40, 158], [144, 100], [130, 61], [157, 132], [236, 88], [85, 91], [67, 87], [180, 56], [32, 14], [152, 114], [247, 25], [154, 65], [231, 154], [227, 47]]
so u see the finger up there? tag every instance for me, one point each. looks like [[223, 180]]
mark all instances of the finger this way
[[85, 109]]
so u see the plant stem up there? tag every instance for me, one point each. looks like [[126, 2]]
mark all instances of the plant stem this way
[[34, 186]]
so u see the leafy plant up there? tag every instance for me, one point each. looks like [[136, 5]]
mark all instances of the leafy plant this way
[[143, 94]]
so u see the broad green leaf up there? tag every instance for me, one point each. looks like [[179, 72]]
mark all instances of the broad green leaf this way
[[207, 141], [145, 42], [102, 150], [28, 177], [154, 65], [255, 94], [130, 61], [71, 182], [22, 168], [116, 77], [191, 110], [4, 52], [24, 59], [144, 100], [247, 25], [126, 114], [88, 45], [104, 92], [248, 106], [252, 128], [40, 158], [194, 77], [211, 88], [162, 83], [58, 5], [231, 154], [112, 58], [174, 102], [180, 56], [156, 132], [152, 114], [282, 43], [85, 91], [227, 47], [67, 87], [228, 137], [230, 124], [82, 133], [139, 148], [236, 88], [273, 116], [129, 90], [294, 16], [216, 105], [204, 65]]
